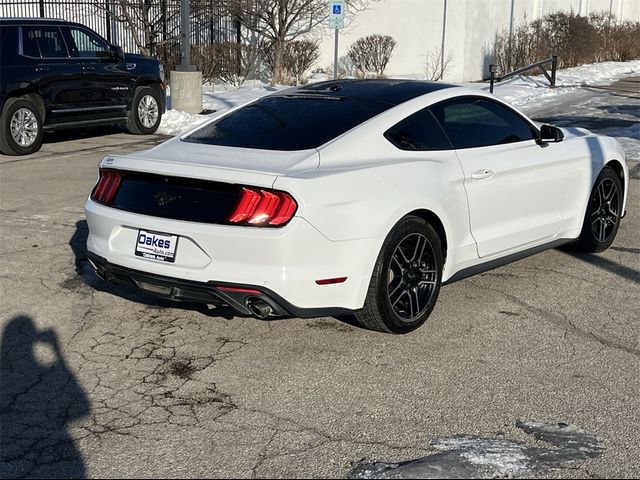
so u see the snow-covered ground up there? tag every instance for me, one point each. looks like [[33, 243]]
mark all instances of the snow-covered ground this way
[[530, 94]]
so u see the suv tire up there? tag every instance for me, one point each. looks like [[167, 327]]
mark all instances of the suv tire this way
[[21, 127], [146, 114]]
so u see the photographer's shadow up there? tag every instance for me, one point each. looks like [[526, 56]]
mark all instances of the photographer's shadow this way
[[39, 398]]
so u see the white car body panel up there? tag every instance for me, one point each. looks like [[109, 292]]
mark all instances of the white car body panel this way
[[350, 193]]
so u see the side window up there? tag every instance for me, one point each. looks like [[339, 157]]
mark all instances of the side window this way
[[479, 122], [420, 131], [43, 41], [84, 43]]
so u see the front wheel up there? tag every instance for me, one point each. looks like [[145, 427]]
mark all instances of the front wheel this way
[[145, 115], [22, 129], [406, 279], [602, 217]]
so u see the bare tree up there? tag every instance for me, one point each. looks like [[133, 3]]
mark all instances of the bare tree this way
[[436, 64], [371, 54], [279, 21], [299, 55], [228, 62], [154, 23]]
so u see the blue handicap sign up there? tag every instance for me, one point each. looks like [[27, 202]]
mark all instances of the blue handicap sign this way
[[337, 9]]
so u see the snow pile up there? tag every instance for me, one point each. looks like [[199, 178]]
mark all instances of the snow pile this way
[[520, 91], [175, 121]]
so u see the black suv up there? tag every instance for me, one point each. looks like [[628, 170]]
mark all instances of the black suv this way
[[56, 74]]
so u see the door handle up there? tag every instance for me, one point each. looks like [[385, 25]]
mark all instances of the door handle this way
[[481, 174], [88, 67], [42, 69]]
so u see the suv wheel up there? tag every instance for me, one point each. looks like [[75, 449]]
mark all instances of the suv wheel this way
[[145, 115], [21, 126]]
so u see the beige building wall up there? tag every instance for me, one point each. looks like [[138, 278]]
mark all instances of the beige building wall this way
[[469, 29]]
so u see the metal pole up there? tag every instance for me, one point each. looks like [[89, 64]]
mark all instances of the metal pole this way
[[554, 66], [108, 20], [492, 70], [444, 31], [185, 38], [510, 36], [335, 58]]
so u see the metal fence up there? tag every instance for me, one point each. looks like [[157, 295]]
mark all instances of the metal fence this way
[[153, 26]]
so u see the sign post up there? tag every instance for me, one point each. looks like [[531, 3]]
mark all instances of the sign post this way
[[336, 21]]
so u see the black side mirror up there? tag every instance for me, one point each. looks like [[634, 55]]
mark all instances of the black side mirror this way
[[114, 53], [550, 134]]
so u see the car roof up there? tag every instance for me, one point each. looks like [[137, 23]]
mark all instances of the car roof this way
[[388, 91], [35, 21]]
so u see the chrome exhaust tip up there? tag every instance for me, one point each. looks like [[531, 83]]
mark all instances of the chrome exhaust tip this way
[[259, 308], [98, 269]]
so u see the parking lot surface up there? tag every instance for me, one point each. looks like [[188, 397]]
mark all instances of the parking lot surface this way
[[103, 381]]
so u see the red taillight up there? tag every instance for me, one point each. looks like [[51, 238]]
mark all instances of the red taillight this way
[[259, 207], [105, 190]]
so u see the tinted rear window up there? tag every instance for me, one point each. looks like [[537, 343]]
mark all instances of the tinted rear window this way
[[43, 41], [288, 123]]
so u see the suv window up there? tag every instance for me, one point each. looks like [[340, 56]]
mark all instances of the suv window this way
[[84, 43], [43, 41], [479, 122], [420, 131]]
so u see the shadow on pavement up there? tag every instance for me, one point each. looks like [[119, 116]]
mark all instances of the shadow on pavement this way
[[590, 123], [609, 265], [78, 134], [39, 398]]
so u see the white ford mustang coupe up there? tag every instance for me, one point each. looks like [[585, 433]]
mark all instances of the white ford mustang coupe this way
[[351, 196]]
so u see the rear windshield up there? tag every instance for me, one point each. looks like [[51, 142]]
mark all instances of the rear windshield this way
[[288, 122]]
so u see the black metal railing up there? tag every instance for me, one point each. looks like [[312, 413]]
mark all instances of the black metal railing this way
[[210, 23], [550, 76]]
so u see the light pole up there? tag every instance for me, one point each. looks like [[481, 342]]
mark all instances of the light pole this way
[[185, 38], [186, 80]]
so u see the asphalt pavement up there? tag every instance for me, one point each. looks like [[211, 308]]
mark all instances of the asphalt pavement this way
[[103, 381]]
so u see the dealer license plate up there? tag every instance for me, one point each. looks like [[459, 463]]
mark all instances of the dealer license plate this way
[[156, 245]]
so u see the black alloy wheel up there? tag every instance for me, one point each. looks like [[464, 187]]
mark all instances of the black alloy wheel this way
[[406, 279], [412, 277], [602, 216], [605, 210]]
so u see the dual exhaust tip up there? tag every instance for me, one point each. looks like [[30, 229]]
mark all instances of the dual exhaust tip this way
[[259, 308]]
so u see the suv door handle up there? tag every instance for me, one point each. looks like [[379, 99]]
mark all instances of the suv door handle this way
[[481, 174], [88, 67], [42, 69]]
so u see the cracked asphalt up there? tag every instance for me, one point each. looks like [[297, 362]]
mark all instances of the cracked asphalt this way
[[102, 381]]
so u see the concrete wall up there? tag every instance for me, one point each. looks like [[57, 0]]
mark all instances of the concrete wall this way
[[417, 27]]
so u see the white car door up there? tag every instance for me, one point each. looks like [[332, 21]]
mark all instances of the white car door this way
[[515, 187]]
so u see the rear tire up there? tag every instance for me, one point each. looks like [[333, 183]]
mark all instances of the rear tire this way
[[406, 279], [602, 217], [21, 127], [146, 113]]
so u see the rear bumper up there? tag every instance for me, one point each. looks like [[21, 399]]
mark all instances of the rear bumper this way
[[284, 263], [235, 296]]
